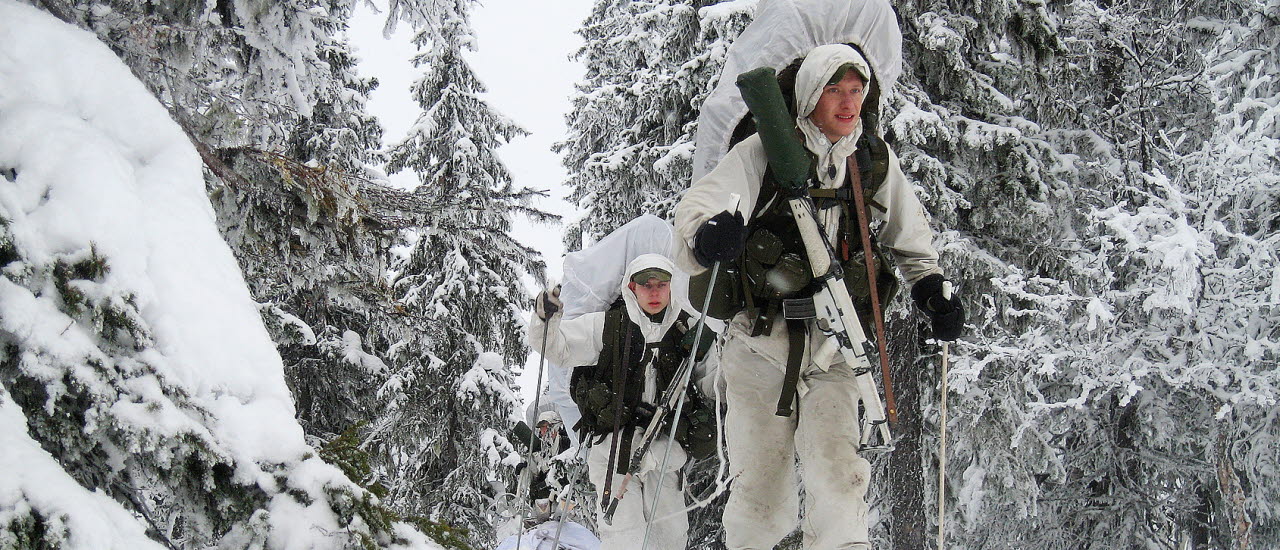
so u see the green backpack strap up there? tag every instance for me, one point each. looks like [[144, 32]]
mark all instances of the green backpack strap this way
[[873, 162], [590, 386]]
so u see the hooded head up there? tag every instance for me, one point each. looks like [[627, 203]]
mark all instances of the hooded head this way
[[550, 417], [819, 66], [828, 93], [657, 307], [548, 424]]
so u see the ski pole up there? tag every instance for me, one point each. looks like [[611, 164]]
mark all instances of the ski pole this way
[[684, 383], [675, 420], [537, 402], [564, 510], [942, 438]]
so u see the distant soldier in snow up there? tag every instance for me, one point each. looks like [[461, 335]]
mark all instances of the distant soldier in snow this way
[[549, 439], [625, 357], [823, 429]]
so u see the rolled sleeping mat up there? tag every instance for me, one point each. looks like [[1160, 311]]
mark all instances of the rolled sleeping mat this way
[[790, 163]]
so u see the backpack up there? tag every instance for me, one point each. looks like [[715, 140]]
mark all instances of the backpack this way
[[772, 248], [596, 392]]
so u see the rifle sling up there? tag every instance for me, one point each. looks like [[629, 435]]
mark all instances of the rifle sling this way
[[624, 448], [869, 260], [797, 334], [620, 372]]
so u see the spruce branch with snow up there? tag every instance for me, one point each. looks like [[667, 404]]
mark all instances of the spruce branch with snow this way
[[1058, 146], [649, 65], [144, 404]]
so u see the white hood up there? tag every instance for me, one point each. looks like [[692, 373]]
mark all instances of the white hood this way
[[653, 332], [816, 70]]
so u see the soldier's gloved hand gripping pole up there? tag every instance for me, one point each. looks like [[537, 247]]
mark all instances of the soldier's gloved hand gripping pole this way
[[672, 402], [833, 308]]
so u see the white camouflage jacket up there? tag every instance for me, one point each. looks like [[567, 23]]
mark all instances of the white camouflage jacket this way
[[905, 231]]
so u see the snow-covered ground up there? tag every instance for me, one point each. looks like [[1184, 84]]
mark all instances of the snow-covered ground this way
[[164, 348]]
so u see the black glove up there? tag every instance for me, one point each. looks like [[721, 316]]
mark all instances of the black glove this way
[[642, 414], [720, 239], [947, 314], [547, 303]]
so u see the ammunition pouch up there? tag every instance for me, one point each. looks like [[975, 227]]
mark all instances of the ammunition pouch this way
[[697, 430], [774, 270], [727, 298], [855, 279], [595, 401], [769, 272]]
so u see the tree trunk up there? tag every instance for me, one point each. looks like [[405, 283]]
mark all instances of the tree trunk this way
[[905, 479]]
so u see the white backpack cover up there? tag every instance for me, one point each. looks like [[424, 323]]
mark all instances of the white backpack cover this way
[[782, 31], [592, 275]]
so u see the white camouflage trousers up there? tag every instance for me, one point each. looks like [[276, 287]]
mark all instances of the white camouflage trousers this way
[[671, 532], [763, 448]]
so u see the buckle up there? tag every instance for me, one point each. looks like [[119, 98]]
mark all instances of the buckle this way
[[799, 308]]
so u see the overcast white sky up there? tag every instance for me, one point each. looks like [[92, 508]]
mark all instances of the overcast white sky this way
[[523, 59]]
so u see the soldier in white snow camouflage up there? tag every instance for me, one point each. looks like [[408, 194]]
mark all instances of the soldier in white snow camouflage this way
[[822, 431]]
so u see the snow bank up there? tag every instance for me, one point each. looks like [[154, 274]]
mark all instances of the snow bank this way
[[99, 161], [138, 377]]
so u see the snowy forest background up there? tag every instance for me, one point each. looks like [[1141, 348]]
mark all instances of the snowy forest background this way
[[1104, 176]]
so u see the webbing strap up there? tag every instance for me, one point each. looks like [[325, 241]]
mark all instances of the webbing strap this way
[[797, 334], [841, 194], [865, 226], [620, 372], [624, 447]]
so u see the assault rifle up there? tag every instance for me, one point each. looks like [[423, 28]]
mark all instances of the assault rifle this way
[[831, 307]]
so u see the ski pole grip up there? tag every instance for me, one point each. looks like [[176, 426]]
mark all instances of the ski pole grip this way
[[946, 290], [788, 159]]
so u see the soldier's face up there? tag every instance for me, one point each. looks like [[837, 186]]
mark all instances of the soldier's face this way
[[653, 296], [838, 107]]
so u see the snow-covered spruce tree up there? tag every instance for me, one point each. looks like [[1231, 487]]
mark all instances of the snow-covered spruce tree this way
[[449, 402], [268, 93], [1052, 142], [985, 175], [317, 267], [649, 64], [264, 74], [141, 396], [288, 178], [630, 144], [1229, 345]]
